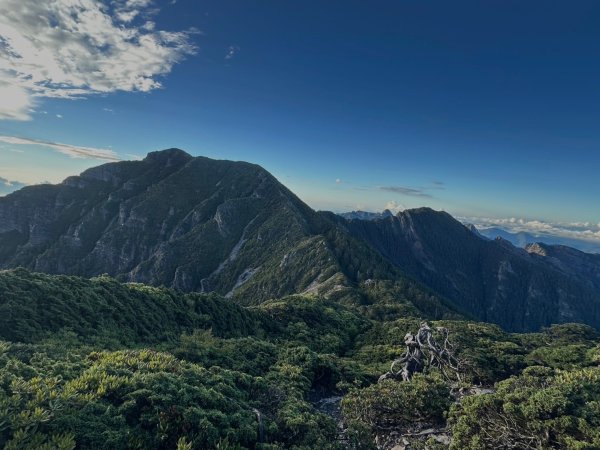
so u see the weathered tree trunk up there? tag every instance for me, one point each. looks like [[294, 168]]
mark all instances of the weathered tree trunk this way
[[424, 351]]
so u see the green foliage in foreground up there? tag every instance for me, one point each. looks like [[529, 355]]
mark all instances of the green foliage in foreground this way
[[95, 364], [541, 409], [143, 399], [393, 403], [35, 306], [154, 396]]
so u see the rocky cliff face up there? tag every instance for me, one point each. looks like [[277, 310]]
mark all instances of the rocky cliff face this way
[[493, 280], [194, 224]]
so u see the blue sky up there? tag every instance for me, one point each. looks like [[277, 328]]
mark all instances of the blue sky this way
[[489, 110]]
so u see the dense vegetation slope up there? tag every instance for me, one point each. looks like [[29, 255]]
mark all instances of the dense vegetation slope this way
[[96, 364]]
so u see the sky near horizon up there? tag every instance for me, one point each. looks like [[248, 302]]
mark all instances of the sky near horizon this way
[[488, 110]]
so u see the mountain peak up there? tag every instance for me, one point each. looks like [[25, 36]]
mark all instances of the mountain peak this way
[[473, 229], [425, 211], [168, 156]]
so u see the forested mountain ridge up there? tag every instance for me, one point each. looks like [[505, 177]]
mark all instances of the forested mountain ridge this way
[[170, 219], [224, 357], [194, 224], [97, 364], [201, 225]]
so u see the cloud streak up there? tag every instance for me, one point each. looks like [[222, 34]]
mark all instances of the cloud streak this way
[[73, 151], [73, 49], [408, 191]]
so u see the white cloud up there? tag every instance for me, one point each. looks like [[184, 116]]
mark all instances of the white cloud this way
[[394, 206], [338, 180], [76, 48], [576, 230], [16, 102], [73, 151], [6, 186], [232, 51], [127, 10]]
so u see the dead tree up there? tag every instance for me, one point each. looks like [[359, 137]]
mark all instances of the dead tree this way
[[426, 349]]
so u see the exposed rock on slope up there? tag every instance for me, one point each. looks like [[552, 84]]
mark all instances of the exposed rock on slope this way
[[576, 264], [194, 224]]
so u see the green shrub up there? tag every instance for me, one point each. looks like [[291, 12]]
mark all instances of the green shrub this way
[[539, 409], [426, 398]]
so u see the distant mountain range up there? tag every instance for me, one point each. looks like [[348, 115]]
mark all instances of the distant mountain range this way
[[197, 224], [522, 239]]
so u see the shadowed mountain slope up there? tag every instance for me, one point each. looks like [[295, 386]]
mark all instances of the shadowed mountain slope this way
[[493, 280]]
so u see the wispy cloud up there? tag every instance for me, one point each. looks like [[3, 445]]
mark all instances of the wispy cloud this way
[[73, 49], [408, 191], [6, 186], [127, 10], [415, 191], [73, 151], [232, 51]]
